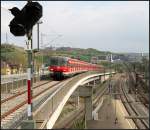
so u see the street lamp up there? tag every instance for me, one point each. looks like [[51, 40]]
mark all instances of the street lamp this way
[[39, 22]]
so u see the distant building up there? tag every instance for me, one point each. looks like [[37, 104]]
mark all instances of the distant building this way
[[3, 64], [105, 58], [8, 70], [5, 68], [145, 55], [134, 57], [98, 59], [115, 58], [13, 69], [130, 57], [94, 60], [102, 57]]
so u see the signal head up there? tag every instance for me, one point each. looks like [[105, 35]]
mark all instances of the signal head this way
[[15, 11], [16, 28], [25, 19]]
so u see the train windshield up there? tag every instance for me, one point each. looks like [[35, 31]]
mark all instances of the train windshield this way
[[57, 61]]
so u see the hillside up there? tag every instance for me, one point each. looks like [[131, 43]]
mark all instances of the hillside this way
[[82, 54], [13, 54]]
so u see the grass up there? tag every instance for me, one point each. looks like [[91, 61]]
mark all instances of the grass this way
[[79, 124], [65, 111]]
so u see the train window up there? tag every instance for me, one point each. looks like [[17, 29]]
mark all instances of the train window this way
[[53, 61], [63, 62], [58, 61]]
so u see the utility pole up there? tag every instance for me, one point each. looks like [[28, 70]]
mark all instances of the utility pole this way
[[39, 22], [5, 53], [22, 25], [136, 84], [30, 74], [110, 85], [115, 99], [42, 48]]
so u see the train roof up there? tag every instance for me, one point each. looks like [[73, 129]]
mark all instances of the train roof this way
[[60, 57], [68, 58]]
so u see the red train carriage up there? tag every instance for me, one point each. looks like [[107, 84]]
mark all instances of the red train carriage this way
[[60, 67]]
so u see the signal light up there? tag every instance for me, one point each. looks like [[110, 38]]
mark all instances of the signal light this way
[[25, 19], [16, 28]]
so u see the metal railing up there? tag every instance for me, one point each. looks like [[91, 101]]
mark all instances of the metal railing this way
[[11, 82], [15, 77]]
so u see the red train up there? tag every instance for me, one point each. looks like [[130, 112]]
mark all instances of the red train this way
[[61, 67]]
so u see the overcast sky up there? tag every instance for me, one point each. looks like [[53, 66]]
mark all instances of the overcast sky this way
[[117, 26]]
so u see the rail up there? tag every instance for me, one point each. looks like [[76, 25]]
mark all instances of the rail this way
[[132, 109]]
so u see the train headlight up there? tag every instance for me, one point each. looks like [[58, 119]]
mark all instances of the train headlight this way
[[51, 69]]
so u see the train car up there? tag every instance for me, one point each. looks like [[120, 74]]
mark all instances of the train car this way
[[61, 67]]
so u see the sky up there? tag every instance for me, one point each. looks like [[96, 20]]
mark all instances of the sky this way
[[116, 26]]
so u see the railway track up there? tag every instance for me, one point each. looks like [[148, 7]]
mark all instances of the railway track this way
[[17, 104], [21, 93], [142, 96], [144, 100], [131, 108], [14, 103], [141, 89]]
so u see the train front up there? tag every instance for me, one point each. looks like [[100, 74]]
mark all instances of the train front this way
[[57, 66]]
